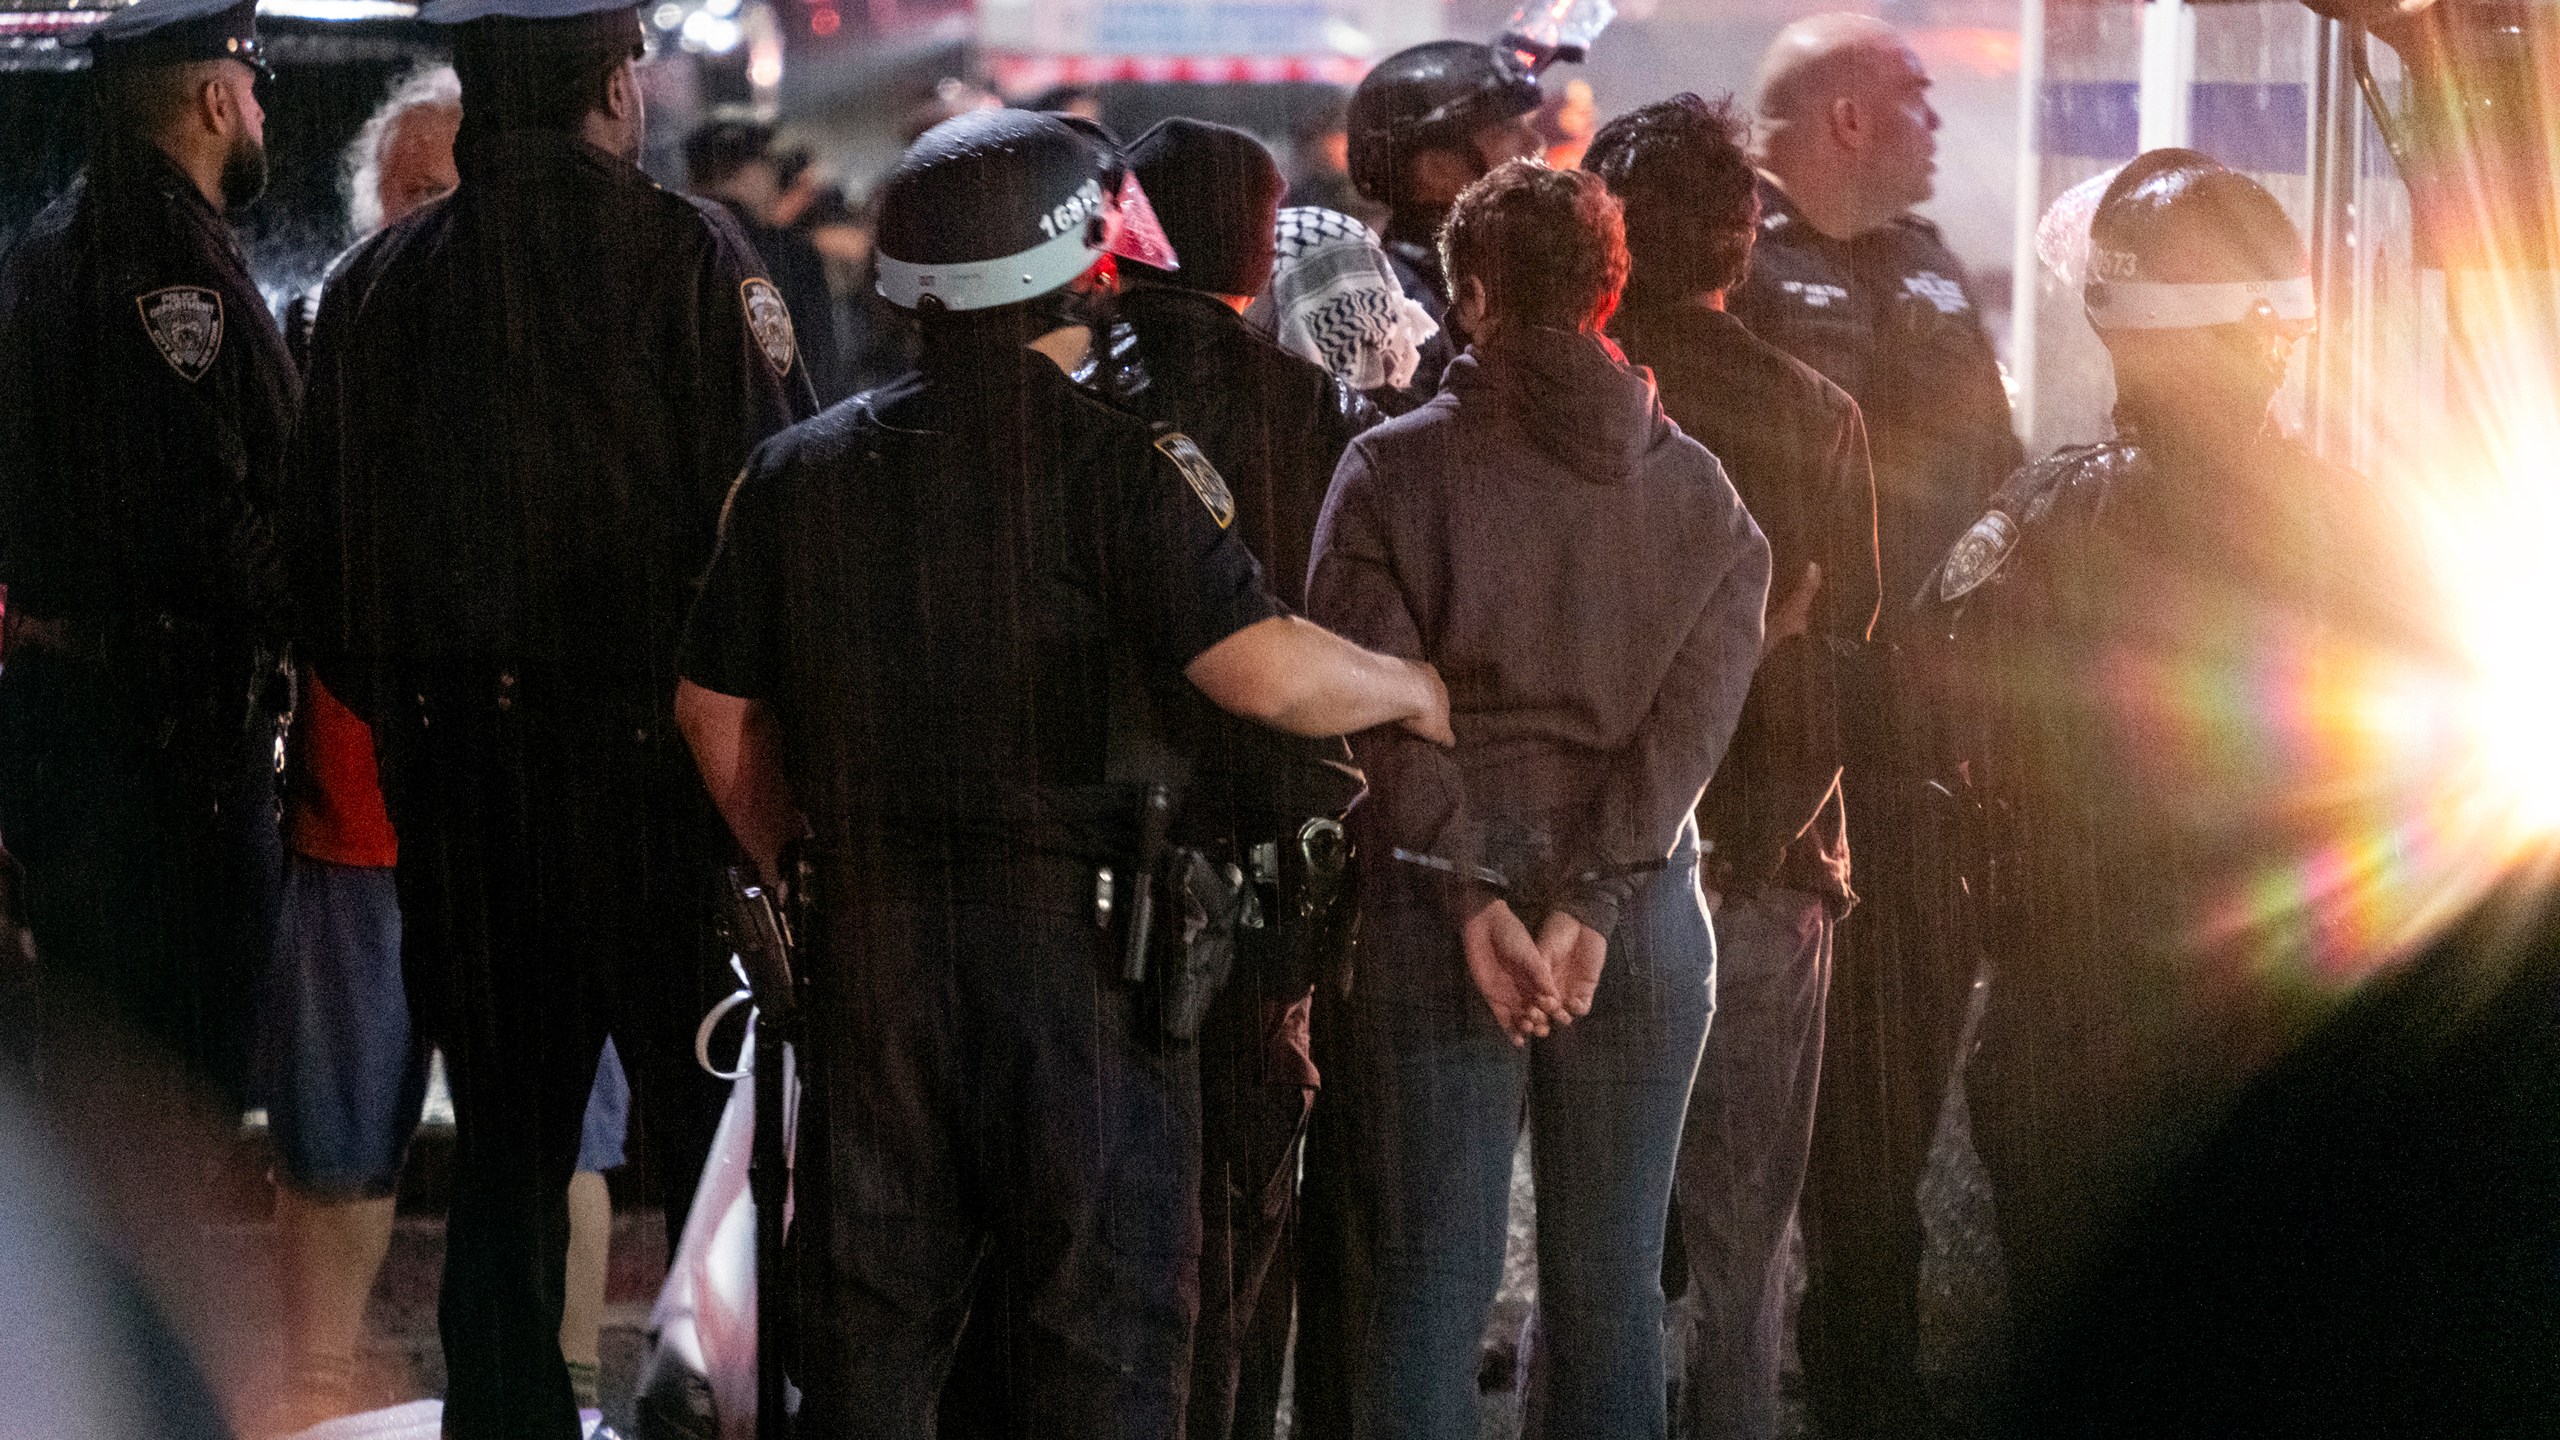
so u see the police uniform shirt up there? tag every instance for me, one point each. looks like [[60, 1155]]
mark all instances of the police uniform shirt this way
[[1890, 318], [927, 584], [145, 400], [527, 402], [1274, 426]]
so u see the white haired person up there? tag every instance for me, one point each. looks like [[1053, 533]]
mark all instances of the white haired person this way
[[1334, 299]]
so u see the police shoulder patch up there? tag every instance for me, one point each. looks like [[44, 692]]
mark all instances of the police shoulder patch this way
[[1203, 477], [769, 320], [185, 324], [1977, 556]]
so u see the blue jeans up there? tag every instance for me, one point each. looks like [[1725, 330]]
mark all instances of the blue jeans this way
[[1432, 1096]]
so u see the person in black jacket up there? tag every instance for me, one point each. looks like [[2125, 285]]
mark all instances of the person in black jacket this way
[[1845, 278], [1275, 426], [1777, 861], [527, 404], [145, 399]]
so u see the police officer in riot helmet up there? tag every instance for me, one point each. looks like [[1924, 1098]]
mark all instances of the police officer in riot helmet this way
[[145, 399], [2203, 546], [931, 640], [1426, 123]]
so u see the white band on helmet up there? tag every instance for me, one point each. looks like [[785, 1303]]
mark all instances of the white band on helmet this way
[[2161, 305], [985, 284]]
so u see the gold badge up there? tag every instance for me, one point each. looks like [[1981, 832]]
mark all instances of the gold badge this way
[[185, 322], [769, 320], [1204, 478], [1977, 556]]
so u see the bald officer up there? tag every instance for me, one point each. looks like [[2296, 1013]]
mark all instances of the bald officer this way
[[145, 398], [1847, 279]]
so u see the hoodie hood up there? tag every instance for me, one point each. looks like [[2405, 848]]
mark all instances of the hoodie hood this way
[[1574, 396]]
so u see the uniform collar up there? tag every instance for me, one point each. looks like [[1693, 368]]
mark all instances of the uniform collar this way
[[1187, 313], [141, 168], [528, 148]]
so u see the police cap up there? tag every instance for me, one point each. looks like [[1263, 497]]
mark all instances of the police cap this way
[[2179, 241], [997, 207], [1432, 94], [176, 32], [557, 29]]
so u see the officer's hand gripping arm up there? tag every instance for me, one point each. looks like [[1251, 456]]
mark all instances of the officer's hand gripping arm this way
[[1294, 675]]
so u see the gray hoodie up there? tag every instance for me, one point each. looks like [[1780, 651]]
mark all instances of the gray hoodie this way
[[1590, 587]]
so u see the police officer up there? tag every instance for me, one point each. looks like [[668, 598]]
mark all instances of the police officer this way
[[1845, 278], [2136, 961], [1274, 425], [145, 399], [527, 402], [907, 644], [1427, 122]]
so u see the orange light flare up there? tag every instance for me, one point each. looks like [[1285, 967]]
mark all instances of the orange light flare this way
[[2457, 768], [2450, 746]]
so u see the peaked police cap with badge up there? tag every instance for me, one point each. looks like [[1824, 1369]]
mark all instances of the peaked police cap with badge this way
[[178, 32]]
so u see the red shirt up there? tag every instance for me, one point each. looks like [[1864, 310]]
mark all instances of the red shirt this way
[[333, 794]]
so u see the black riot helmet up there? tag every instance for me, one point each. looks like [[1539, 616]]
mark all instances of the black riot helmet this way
[[1432, 95], [2179, 241], [999, 207]]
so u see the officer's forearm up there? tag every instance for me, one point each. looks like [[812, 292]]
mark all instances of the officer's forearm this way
[[1292, 674], [738, 750]]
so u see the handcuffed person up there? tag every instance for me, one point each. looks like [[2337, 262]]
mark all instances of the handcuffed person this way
[[1532, 936]]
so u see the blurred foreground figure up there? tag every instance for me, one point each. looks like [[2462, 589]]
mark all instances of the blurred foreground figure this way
[[1847, 279], [84, 1354], [2140, 976], [1533, 939], [2365, 1246], [1777, 865], [930, 640], [145, 400], [1426, 123], [527, 403]]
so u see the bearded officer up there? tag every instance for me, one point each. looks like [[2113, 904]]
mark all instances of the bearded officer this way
[[145, 398], [2200, 550], [527, 401], [907, 645]]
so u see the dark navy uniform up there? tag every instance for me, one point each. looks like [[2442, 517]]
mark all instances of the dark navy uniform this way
[[930, 587], [527, 403], [1889, 317], [1275, 426], [2134, 838], [145, 399]]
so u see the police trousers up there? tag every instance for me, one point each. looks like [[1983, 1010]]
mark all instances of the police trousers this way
[[558, 864], [984, 1105]]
